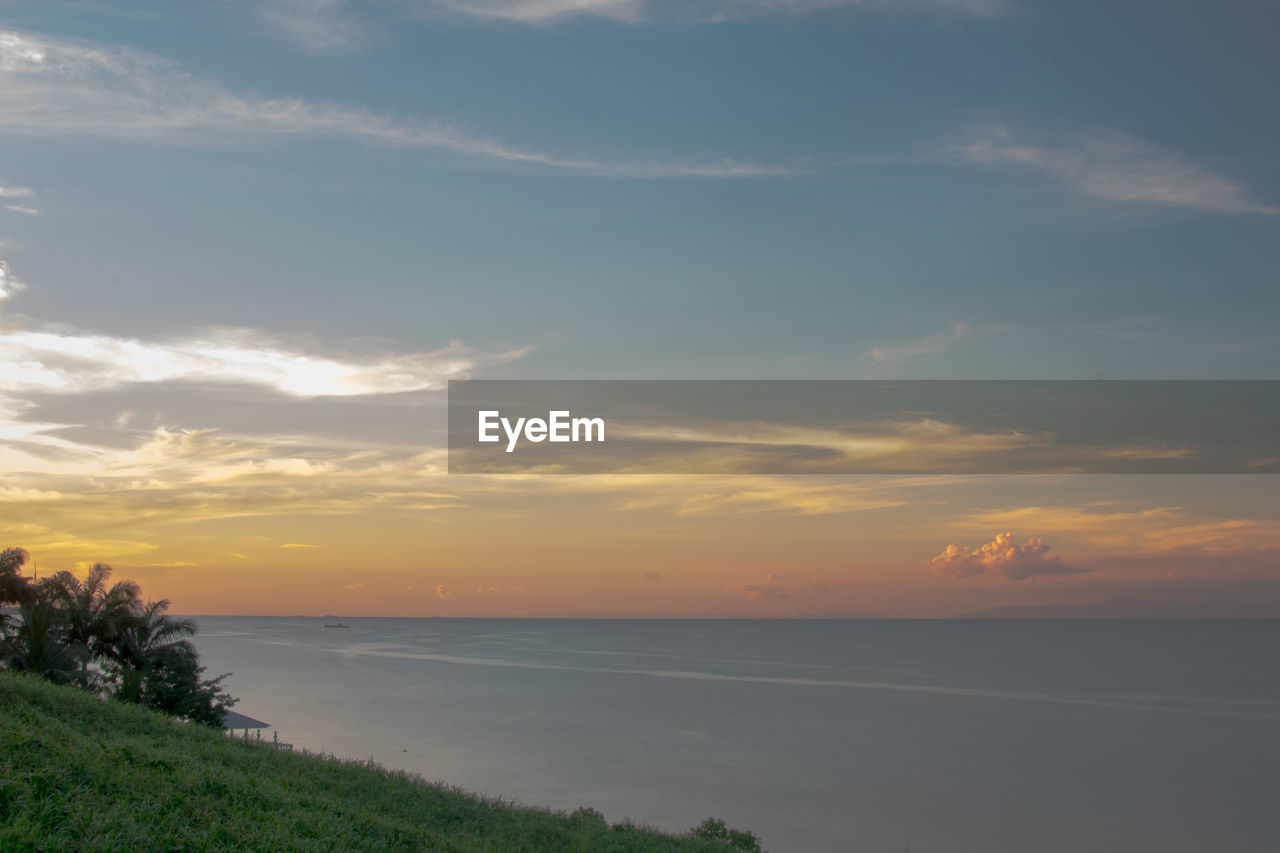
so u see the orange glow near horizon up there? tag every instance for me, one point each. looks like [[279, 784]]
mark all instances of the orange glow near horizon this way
[[744, 546]]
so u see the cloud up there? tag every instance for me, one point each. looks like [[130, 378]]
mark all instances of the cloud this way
[[1003, 558], [543, 11], [60, 360], [910, 443], [1115, 167], [318, 26], [355, 586], [56, 542], [690, 11], [9, 283], [768, 588], [329, 26], [298, 545], [930, 345], [52, 87], [14, 192], [1161, 530], [443, 591], [189, 477], [744, 494], [771, 588]]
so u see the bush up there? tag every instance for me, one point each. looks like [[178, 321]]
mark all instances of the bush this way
[[714, 829]]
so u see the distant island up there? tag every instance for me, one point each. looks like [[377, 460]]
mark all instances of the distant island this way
[[1133, 608]]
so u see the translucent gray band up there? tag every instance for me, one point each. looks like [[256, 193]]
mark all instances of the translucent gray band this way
[[864, 427]]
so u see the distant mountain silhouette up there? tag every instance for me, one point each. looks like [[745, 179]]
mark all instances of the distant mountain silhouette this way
[[1133, 608]]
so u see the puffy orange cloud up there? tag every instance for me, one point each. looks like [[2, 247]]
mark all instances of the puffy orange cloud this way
[[1003, 558]]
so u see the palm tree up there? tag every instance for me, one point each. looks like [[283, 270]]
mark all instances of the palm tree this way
[[14, 588], [38, 647], [147, 640], [155, 664], [94, 612], [145, 655]]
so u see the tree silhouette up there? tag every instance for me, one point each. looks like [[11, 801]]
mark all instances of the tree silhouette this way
[[142, 655], [144, 641], [38, 647], [14, 588], [152, 662], [93, 611]]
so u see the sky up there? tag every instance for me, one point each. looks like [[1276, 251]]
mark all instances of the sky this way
[[246, 244]]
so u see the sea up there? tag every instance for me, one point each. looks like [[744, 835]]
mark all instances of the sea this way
[[859, 735]]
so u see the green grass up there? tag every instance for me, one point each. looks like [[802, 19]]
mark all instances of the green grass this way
[[78, 772]]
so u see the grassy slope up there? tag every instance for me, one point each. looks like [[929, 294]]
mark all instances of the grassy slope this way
[[81, 773]]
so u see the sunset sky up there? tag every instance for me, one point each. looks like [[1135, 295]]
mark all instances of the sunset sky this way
[[246, 244]]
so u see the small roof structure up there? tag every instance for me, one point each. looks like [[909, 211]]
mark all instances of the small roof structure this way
[[232, 720]]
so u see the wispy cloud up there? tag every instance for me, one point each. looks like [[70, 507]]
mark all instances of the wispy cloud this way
[[68, 361], [929, 345], [744, 494], [327, 26], [318, 26], [691, 11], [1115, 167], [54, 87], [188, 476], [773, 588], [770, 587], [892, 444], [56, 542], [543, 11], [8, 192], [1153, 530], [63, 360]]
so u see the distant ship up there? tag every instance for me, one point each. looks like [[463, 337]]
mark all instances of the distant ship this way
[[336, 625]]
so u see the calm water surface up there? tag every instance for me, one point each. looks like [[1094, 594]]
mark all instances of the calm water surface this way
[[819, 736]]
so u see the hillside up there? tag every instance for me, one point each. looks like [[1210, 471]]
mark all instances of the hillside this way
[[81, 773]]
